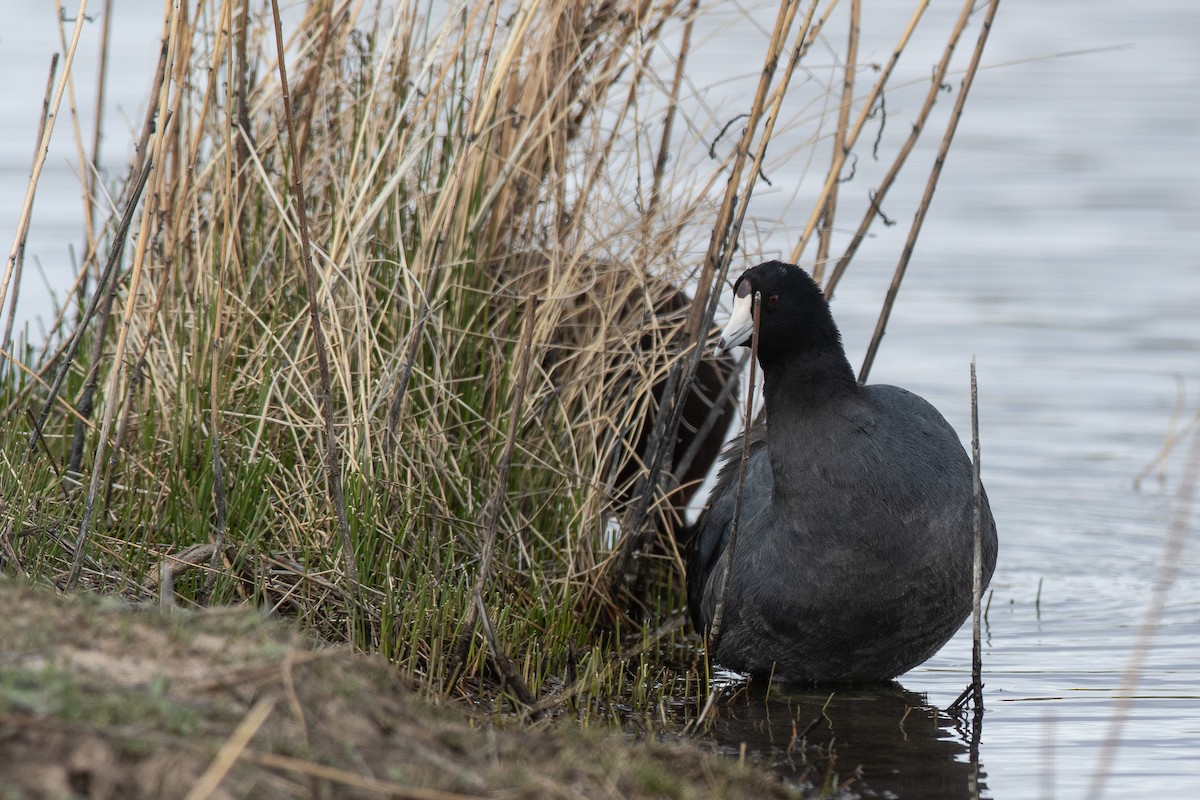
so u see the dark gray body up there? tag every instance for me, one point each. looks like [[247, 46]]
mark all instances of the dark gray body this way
[[854, 553]]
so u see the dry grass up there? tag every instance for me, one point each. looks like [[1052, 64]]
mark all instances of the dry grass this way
[[308, 353]]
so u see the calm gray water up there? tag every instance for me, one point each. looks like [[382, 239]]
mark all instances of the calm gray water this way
[[1061, 253]]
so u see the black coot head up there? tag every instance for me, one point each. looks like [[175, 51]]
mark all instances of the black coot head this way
[[794, 318]]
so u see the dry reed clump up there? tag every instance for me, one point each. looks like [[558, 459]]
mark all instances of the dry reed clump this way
[[451, 168], [391, 345]]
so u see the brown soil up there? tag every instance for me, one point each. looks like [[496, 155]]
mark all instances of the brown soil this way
[[105, 701]]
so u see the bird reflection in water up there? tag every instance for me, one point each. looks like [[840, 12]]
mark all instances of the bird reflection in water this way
[[880, 740]]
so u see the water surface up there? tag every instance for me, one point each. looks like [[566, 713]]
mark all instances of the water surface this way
[[1060, 252]]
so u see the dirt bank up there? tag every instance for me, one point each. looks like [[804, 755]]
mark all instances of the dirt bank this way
[[101, 700]]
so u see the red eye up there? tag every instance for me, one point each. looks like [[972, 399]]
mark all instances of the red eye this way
[[773, 300]]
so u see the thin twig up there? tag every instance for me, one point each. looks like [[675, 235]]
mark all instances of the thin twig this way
[[333, 466], [218, 466], [308, 83], [136, 167], [39, 161], [106, 286], [410, 358], [974, 690], [977, 556], [41, 440], [98, 131], [491, 514], [114, 258], [710, 702], [960, 702], [664, 145], [241, 70], [835, 169], [825, 231], [927, 198], [107, 292], [874, 211], [135, 380], [86, 176], [504, 665], [6, 341], [700, 437], [491, 521]]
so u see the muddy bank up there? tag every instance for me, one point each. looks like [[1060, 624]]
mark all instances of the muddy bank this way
[[101, 700]]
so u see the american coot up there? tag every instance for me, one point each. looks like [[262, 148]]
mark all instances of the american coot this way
[[855, 543]]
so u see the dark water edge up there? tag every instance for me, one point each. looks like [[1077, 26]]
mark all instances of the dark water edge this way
[[870, 741]]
